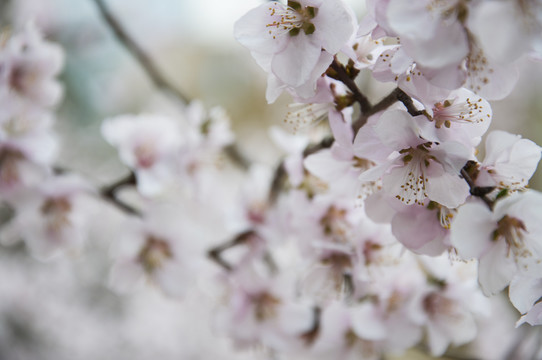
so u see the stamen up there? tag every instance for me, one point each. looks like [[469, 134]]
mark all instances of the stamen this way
[[307, 114]]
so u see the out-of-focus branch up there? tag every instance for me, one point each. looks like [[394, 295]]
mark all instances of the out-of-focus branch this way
[[155, 75], [141, 56], [109, 193], [216, 253]]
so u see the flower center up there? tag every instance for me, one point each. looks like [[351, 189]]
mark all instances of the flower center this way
[[9, 169], [265, 306], [447, 112], [56, 211], [291, 19], [306, 115], [511, 230], [153, 254], [413, 187]]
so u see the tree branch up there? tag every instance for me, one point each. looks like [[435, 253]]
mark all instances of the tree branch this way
[[141, 56], [340, 73], [109, 193], [480, 192], [154, 74]]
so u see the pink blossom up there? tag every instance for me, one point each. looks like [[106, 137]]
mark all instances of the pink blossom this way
[[287, 40], [504, 240]]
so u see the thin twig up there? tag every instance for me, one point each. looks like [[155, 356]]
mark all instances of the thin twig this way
[[409, 104], [141, 56], [216, 252], [237, 156], [155, 75], [382, 105], [109, 193]]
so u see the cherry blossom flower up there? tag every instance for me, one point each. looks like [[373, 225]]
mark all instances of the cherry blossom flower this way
[[509, 163], [51, 219], [431, 32], [287, 40], [160, 248], [516, 25], [525, 293], [262, 309], [504, 240], [29, 66], [463, 117], [341, 166], [450, 304], [420, 167], [148, 144]]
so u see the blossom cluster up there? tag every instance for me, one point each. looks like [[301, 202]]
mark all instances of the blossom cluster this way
[[388, 232]]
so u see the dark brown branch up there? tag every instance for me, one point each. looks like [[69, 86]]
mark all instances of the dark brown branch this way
[[382, 105], [216, 253], [277, 184], [144, 60], [237, 156], [109, 193], [339, 73], [480, 192], [324, 144], [407, 101]]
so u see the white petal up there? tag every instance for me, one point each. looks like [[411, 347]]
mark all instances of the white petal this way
[[472, 229], [295, 63], [366, 322], [335, 24], [496, 269], [524, 292]]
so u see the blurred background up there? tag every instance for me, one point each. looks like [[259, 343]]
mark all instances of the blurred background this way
[[63, 310]]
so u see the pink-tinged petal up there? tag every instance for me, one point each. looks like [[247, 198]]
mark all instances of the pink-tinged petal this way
[[417, 227], [499, 28], [397, 129], [378, 209], [446, 188], [513, 160], [448, 45], [411, 19], [367, 145], [472, 229], [294, 167], [324, 166], [292, 144], [252, 32], [400, 62], [437, 340], [497, 142], [374, 173], [308, 89], [125, 276], [173, 278], [448, 77], [342, 131], [397, 184], [275, 87], [295, 319], [335, 24], [496, 268], [367, 323], [295, 63], [488, 79], [524, 292], [417, 85], [533, 317]]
